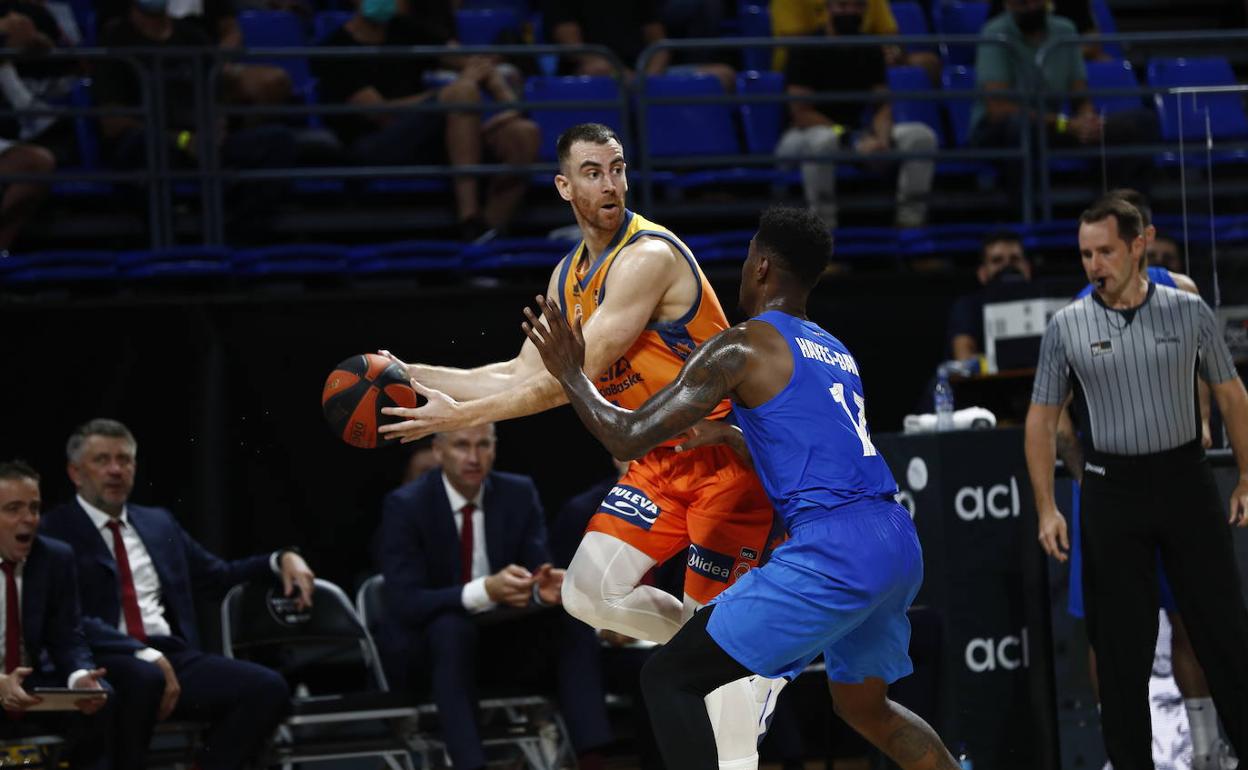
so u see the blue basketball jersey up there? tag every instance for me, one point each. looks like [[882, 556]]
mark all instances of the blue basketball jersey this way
[[1156, 274], [810, 442]]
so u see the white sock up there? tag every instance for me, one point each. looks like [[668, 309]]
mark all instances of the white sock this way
[[601, 588], [1202, 716], [734, 712]]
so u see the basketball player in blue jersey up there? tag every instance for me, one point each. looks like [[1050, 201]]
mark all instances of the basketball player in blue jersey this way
[[1209, 751], [841, 584]]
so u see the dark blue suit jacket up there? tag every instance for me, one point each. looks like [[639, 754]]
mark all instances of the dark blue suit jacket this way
[[183, 566], [420, 546], [50, 618]]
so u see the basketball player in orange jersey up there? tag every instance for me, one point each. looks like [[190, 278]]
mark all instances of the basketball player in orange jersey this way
[[646, 305]]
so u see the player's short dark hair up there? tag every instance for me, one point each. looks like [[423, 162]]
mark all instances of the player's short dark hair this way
[[1137, 199], [100, 426], [1000, 235], [16, 470], [798, 240], [594, 133], [1130, 223]]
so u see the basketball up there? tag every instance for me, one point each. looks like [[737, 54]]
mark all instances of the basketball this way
[[355, 393]]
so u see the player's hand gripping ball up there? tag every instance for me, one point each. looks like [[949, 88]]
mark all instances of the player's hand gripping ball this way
[[355, 393]]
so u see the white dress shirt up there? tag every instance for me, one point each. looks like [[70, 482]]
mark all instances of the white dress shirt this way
[[4, 624], [474, 597], [143, 572]]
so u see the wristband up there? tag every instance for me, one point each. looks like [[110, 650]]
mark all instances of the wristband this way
[[1063, 123], [184, 140]]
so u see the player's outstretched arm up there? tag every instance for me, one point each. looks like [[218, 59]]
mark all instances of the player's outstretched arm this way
[[640, 278], [477, 382], [707, 378]]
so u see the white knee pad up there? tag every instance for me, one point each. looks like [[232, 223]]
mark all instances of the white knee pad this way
[[601, 589]]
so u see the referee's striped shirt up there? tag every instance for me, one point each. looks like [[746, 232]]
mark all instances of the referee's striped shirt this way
[[1133, 370]]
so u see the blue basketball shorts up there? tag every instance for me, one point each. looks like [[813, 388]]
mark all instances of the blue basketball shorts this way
[[840, 585]]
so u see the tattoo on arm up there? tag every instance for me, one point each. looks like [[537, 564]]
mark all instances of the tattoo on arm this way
[[708, 377]]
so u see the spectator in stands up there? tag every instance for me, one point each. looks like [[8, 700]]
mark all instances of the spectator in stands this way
[[624, 27], [865, 128], [427, 137], [1001, 261], [1079, 12], [137, 571], [124, 145], [39, 574], [1164, 251], [218, 21], [998, 121], [32, 82], [803, 18], [20, 200], [468, 573]]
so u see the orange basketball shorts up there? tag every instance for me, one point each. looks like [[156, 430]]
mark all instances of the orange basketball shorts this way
[[705, 500]]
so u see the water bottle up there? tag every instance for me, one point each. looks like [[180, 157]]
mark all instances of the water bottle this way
[[942, 397], [964, 758]]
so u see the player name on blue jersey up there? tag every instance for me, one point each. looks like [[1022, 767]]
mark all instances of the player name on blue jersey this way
[[819, 352]]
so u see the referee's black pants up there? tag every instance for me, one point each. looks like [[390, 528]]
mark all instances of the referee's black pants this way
[[1133, 506]]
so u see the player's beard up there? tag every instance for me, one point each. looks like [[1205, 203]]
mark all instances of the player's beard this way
[[595, 216]]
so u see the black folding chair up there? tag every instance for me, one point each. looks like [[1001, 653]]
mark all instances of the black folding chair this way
[[529, 724], [342, 705]]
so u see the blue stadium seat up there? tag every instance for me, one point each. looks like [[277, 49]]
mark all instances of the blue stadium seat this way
[[176, 262], [729, 246], [1113, 74], [912, 109], [554, 121], [1050, 236], [762, 121], [911, 20], [681, 130], [948, 240], [277, 29], [326, 23], [58, 267], [504, 253], [959, 17], [423, 256], [854, 243], [1226, 110], [482, 26], [755, 21], [519, 7], [87, 132], [959, 78], [1106, 25], [290, 259], [1227, 119]]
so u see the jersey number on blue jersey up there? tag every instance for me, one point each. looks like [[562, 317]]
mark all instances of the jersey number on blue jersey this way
[[860, 424]]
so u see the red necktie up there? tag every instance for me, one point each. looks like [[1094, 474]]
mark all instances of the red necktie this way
[[12, 619], [465, 542], [129, 599]]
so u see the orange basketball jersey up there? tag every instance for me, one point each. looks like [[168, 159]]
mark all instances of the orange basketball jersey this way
[[660, 351]]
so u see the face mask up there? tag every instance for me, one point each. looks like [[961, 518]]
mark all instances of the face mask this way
[[153, 7], [847, 23], [1030, 21], [380, 11]]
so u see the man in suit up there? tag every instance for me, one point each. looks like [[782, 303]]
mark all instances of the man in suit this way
[[39, 608], [137, 570], [469, 586]]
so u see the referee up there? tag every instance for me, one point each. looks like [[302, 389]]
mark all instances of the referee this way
[[1132, 351]]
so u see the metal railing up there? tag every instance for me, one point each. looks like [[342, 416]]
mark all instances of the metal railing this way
[[634, 106]]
